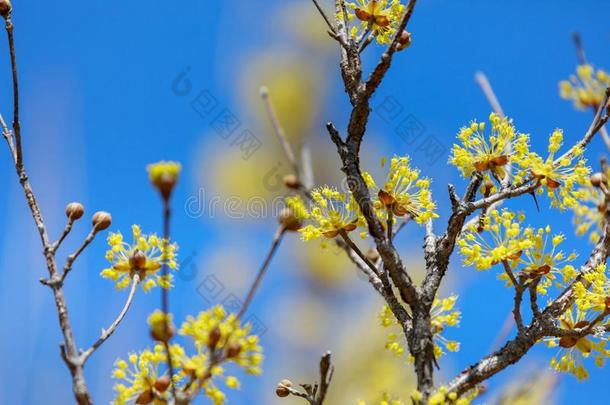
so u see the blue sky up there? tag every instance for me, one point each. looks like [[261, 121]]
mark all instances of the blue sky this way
[[98, 105]]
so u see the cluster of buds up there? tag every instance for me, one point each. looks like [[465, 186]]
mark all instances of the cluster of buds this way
[[100, 220]]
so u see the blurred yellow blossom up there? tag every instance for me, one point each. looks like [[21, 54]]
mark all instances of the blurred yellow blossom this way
[[586, 88]]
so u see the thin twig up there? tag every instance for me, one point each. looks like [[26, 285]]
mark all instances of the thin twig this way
[[16, 125], [72, 258], [277, 239], [279, 130], [65, 233], [165, 291], [325, 17], [106, 333]]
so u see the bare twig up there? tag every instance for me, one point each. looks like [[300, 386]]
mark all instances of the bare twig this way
[[106, 333], [16, 125], [279, 130], [277, 239], [331, 27], [72, 258]]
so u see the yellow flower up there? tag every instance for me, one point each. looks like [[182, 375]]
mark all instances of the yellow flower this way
[[404, 193], [559, 178], [586, 88], [481, 153], [507, 242], [543, 259], [382, 17], [332, 213], [144, 257], [590, 209], [442, 314], [596, 295], [216, 330], [140, 379], [573, 351]]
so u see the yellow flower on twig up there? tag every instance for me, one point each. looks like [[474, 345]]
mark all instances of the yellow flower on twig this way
[[144, 256]]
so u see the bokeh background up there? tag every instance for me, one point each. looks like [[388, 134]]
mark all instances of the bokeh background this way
[[108, 87]]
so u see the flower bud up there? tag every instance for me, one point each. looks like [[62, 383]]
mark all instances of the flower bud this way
[[74, 211], [161, 327], [282, 388], [164, 176], [487, 187], [162, 383], [597, 179], [292, 181], [101, 220], [289, 220], [214, 338], [372, 254], [137, 260], [5, 8], [404, 40], [233, 350]]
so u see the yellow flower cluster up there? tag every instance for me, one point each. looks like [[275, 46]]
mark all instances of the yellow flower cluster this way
[[573, 351], [560, 178], [218, 339], [144, 257], [543, 259], [534, 252], [507, 243], [380, 17], [404, 193], [481, 153], [332, 213], [442, 315], [143, 378], [597, 296], [590, 210], [585, 88]]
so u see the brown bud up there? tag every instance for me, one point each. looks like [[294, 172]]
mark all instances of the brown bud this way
[[137, 260], [145, 398], [162, 383], [5, 8], [233, 350], [567, 342], [214, 338], [162, 332], [101, 220], [282, 388], [404, 40], [372, 254], [597, 179], [292, 181], [607, 302], [289, 220], [74, 210]]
